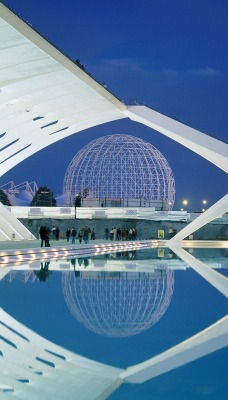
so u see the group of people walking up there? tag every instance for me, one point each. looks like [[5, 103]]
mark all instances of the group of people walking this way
[[120, 234], [83, 234]]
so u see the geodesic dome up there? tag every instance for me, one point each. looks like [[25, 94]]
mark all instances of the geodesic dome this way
[[118, 305], [119, 167]]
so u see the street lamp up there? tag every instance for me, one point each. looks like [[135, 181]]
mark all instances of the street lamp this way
[[204, 202], [184, 203], [77, 203]]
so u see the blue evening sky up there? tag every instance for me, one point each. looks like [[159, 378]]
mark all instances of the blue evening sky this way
[[172, 56]]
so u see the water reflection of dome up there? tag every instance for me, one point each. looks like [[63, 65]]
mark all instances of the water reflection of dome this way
[[118, 304]]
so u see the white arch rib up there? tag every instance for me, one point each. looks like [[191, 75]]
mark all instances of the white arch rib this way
[[45, 96], [215, 211], [219, 281], [213, 338], [206, 146], [32, 367]]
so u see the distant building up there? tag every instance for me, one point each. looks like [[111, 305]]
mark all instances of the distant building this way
[[43, 198]]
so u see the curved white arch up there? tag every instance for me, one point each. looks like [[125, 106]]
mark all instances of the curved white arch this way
[[63, 374], [46, 97], [205, 145]]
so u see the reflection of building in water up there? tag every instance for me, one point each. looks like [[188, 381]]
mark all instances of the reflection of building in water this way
[[118, 304]]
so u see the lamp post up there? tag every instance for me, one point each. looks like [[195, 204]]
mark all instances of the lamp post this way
[[185, 203], [77, 203], [204, 202]]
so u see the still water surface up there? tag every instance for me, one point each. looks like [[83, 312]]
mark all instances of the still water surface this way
[[123, 308]]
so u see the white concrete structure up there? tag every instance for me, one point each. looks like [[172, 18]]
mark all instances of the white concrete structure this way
[[46, 97], [34, 368], [215, 211], [145, 213], [11, 227], [217, 280], [31, 367], [213, 338], [206, 146]]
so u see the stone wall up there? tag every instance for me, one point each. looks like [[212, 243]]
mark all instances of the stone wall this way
[[145, 229]]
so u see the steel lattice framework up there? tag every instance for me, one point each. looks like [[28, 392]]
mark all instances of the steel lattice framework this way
[[118, 305], [120, 167]]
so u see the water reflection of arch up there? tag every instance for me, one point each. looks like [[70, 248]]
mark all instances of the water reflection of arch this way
[[118, 304]]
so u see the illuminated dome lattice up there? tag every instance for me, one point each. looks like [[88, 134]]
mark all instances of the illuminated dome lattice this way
[[120, 167]]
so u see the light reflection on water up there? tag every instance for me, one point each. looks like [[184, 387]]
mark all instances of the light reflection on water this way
[[93, 306]]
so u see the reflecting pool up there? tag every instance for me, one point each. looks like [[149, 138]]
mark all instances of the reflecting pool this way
[[123, 308]]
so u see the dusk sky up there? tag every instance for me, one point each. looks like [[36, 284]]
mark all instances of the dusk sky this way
[[172, 56]]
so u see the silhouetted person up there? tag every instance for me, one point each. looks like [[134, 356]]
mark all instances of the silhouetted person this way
[[54, 233], [106, 233], [80, 235], [47, 243], [68, 234], [73, 262], [73, 235], [43, 273], [86, 261], [86, 235], [57, 233], [93, 234], [42, 232]]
